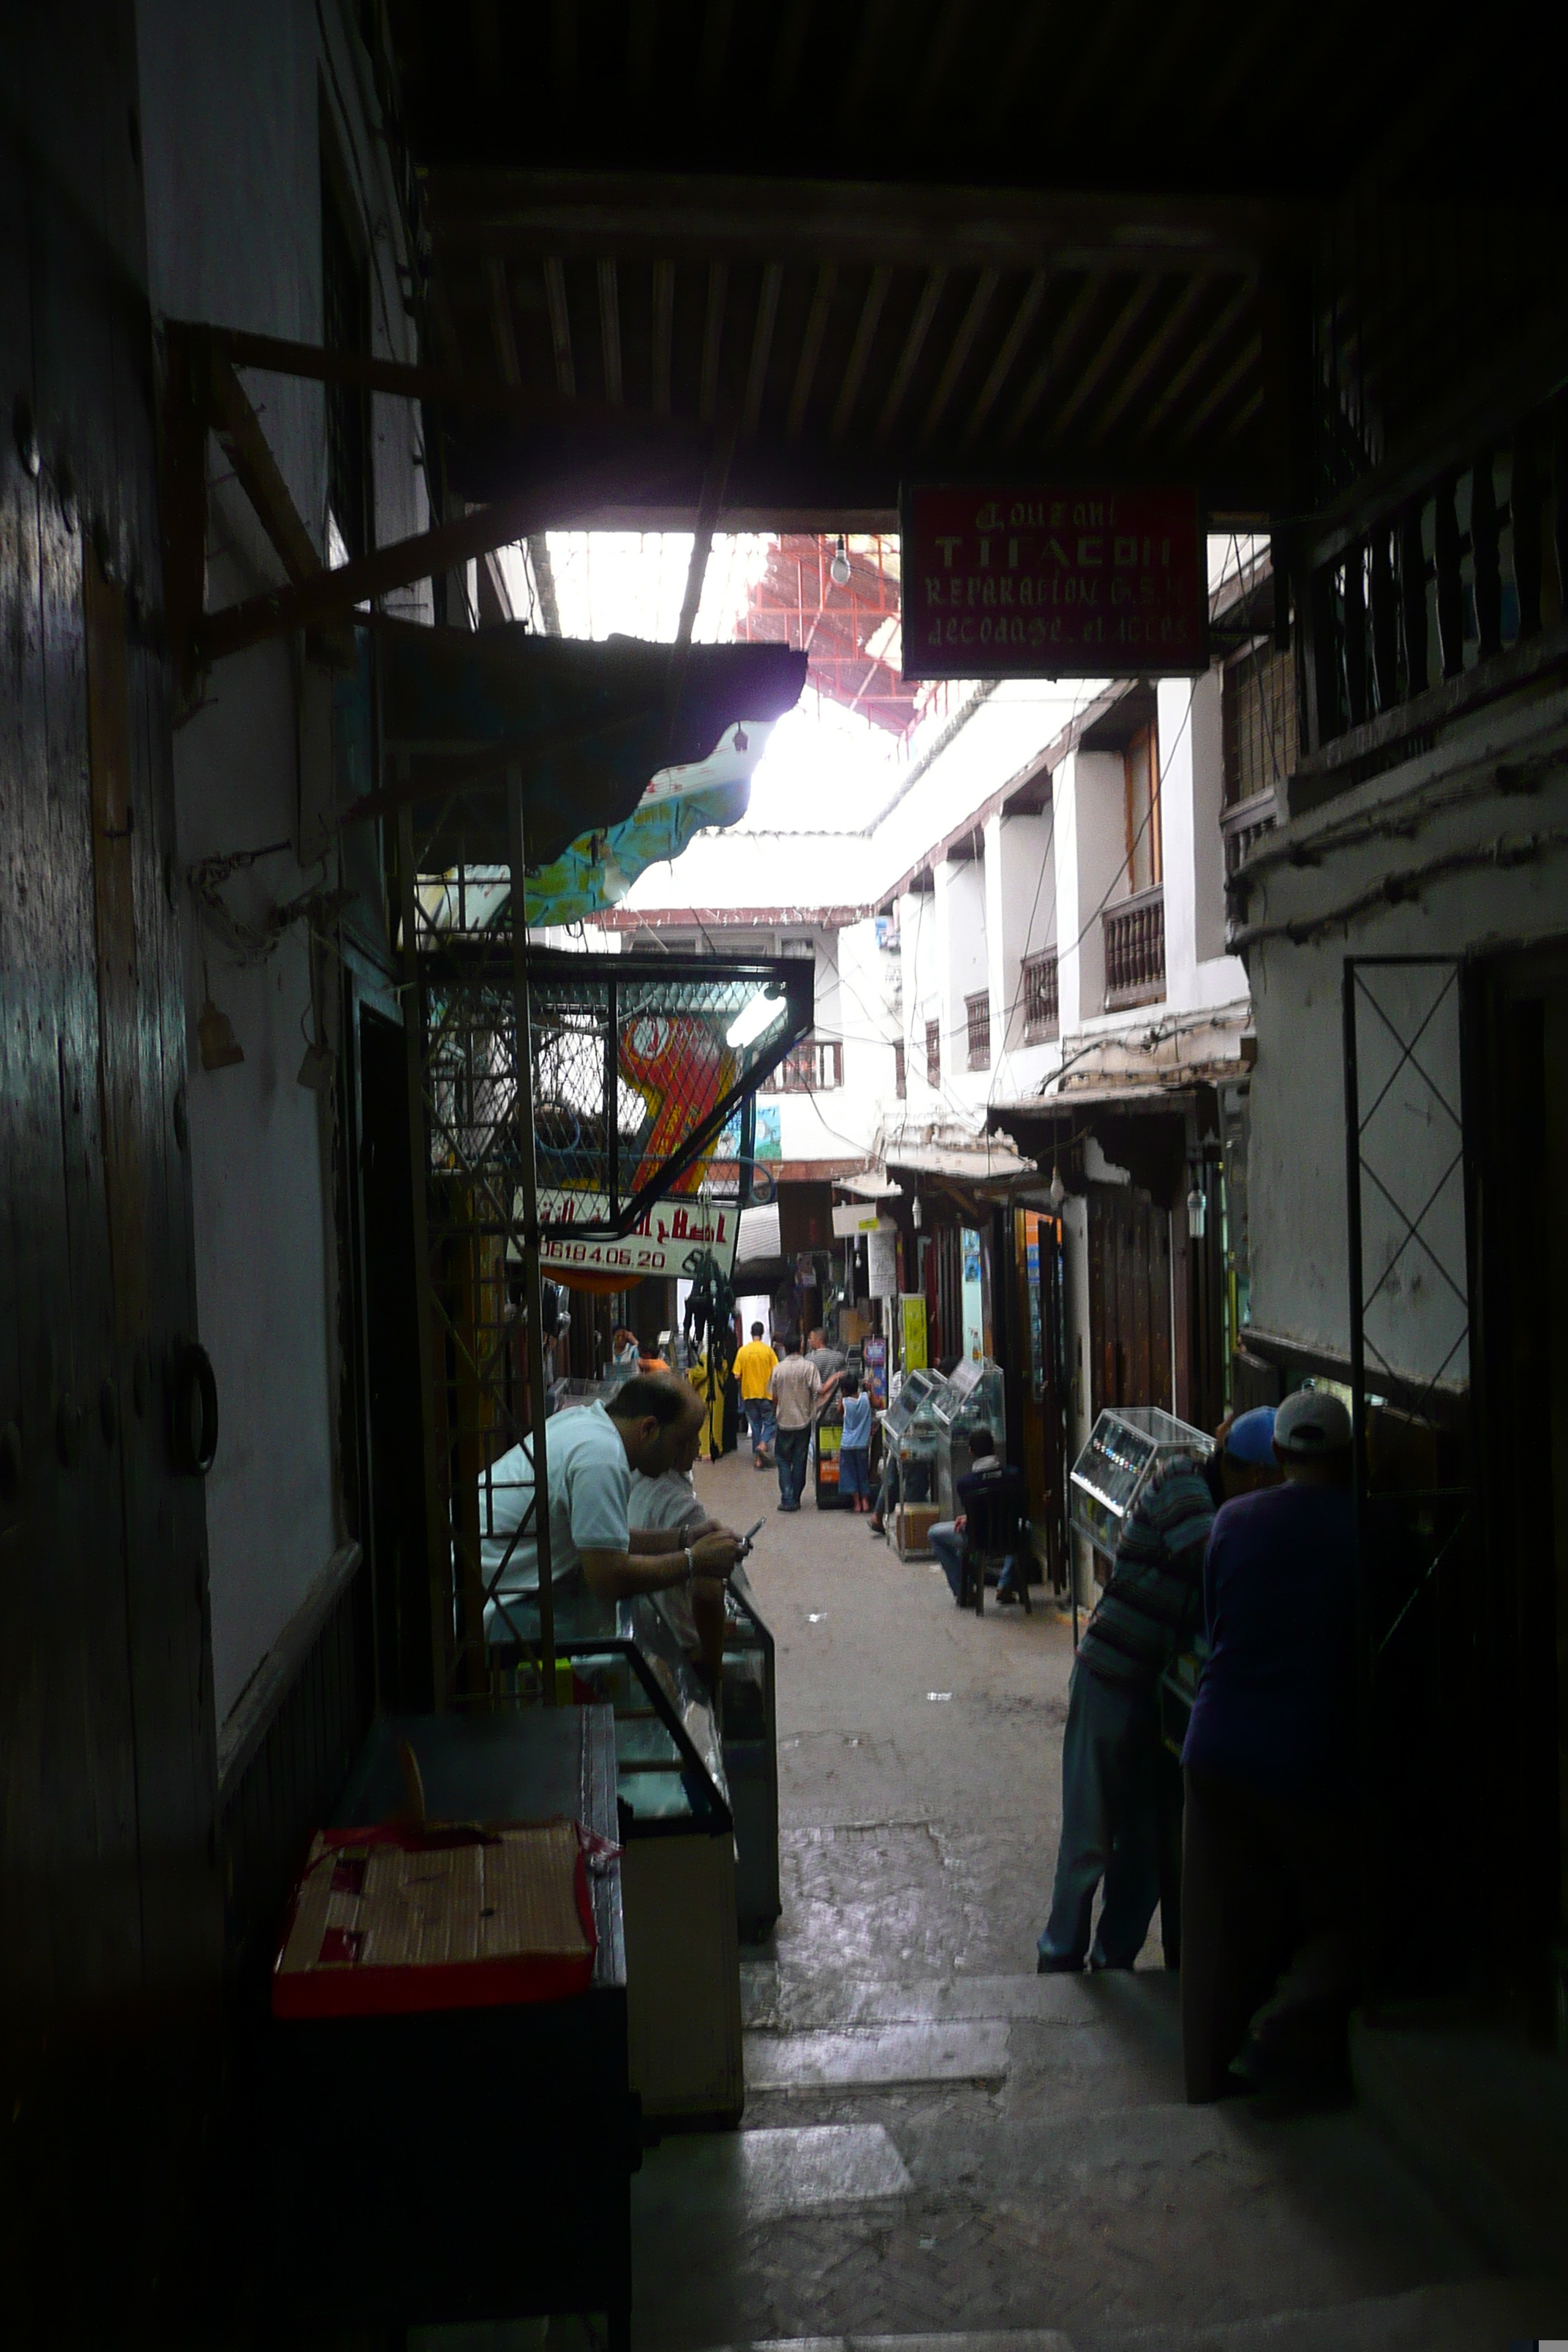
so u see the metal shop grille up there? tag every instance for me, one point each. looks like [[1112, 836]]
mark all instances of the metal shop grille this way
[[1042, 1016], [978, 1030]]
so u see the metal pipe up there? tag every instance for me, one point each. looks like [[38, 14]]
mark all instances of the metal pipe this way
[[532, 1299]]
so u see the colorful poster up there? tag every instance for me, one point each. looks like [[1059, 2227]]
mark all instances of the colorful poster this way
[[874, 1356], [912, 1329], [1032, 1223], [973, 1296]]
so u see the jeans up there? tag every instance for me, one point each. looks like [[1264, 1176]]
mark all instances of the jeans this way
[[1110, 1826], [760, 1422], [948, 1547], [854, 1470], [791, 1449]]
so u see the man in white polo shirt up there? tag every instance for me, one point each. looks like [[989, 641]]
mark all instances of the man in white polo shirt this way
[[596, 1558]]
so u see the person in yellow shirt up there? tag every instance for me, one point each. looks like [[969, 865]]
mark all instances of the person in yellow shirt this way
[[756, 1364]]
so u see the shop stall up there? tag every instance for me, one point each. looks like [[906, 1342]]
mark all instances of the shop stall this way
[[751, 1757], [453, 2139]]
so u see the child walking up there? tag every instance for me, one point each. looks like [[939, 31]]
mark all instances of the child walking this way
[[855, 1450]]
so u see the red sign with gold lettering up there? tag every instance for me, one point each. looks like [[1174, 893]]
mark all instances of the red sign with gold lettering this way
[[1047, 581]]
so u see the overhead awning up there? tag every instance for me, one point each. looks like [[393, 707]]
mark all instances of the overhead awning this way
[[591, 726], [988, 1161], [871, 1186]]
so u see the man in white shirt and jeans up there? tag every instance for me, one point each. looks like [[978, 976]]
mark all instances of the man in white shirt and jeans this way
[[595, 1558]]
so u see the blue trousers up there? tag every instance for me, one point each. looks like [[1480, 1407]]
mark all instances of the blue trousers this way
[[791, 1447], [1110, 1826], [760, 1422]]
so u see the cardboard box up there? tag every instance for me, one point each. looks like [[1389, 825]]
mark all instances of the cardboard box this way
[[912, 1524]]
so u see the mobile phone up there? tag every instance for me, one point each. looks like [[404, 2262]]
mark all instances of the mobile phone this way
[[749, 1538]]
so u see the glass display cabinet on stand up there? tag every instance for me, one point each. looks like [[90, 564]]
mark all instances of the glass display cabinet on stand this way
[[751, 1757]]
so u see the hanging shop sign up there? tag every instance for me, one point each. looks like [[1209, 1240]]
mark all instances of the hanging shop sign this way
[[912, 1329], [1037, 581], [667, 1242]]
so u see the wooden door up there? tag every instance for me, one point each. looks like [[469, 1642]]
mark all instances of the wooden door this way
[[111, 1959], [1129, 1298]]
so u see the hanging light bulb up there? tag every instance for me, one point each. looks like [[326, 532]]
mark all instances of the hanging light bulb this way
[[838, 570], [1197, 1211], [1056, 1192]]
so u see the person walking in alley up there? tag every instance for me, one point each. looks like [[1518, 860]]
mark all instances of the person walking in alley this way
[[855, 1447], [1146, 1614], [794, 1388], [1268, 1840], [755, 1365]]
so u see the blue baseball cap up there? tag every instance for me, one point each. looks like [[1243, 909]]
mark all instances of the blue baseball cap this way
[[1252, 1437]]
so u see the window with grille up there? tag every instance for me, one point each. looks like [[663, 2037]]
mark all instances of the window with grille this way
[[1259, 723], [813, 1068], [900, 1082], [1145, 857], [1041, 1003], [977, 1027], [933, 1053]]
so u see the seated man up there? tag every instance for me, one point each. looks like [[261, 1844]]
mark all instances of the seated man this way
[[594, 1560], [666, 1500], [1269, 1845], [756, 1364], [1146, 1614], [984, 1486]]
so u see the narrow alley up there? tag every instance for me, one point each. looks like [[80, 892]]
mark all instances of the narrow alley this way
[[938, 2141]]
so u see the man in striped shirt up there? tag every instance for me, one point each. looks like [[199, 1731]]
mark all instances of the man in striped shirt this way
[[1147, 1614]]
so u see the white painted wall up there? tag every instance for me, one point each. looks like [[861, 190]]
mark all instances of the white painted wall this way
[[962, 970], [1198, 973], [1296, 1169], [232, 136]]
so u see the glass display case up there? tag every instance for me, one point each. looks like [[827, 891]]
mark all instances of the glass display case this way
[[970, 1398], [668, 1754], [910, 1427], [751, 1757], [677, 1867], [1125, 1448]]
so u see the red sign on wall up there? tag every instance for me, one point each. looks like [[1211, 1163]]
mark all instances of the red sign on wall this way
[[1042, 582]]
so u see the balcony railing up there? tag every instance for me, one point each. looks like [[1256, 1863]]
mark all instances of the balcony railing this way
[[1135, 950], [1418, 599], [1042, 1004], [1245, 825], [815, 1066], [977, 1031]]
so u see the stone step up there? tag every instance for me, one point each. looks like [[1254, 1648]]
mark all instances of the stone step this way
[[1476, 2315], [778, 2001], [864, 2058]]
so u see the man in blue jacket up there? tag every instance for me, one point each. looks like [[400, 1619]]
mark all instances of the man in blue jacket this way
[[1147, 1613], [1268, 1853]]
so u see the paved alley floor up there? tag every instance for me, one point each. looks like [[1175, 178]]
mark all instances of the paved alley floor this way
[[936, 2140]]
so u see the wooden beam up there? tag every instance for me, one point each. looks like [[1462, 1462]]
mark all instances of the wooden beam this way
[[960, 347], [909, 357], [716, 22], [502, 323], [443, 387], [1249, 357], [663, 333], [560, 326], [545, 580], [787, 54], [563, 48], [712, 340], [932, 83], [1198, 357], [1148, 358], [1126, 320], [1001, 365], [856, 225], [810, 348], [1045, 367], [610, 328], [247, 448], [329, 596], [642, 30], [860, 352], [762, 347]]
